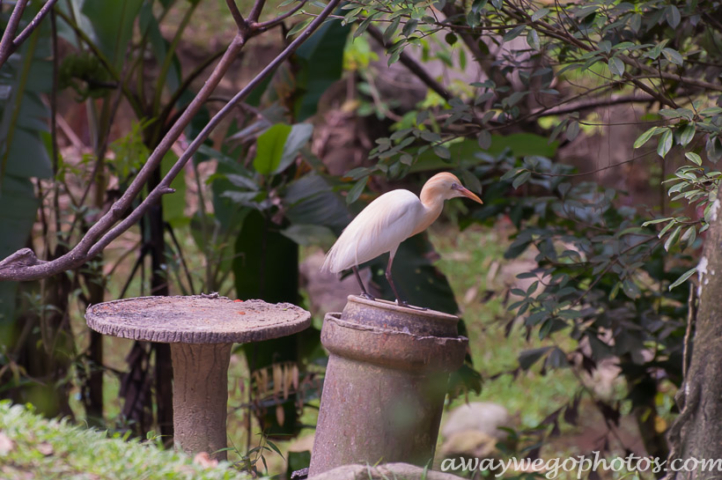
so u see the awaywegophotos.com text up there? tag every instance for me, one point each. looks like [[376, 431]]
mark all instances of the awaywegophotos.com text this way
[[551, 468]]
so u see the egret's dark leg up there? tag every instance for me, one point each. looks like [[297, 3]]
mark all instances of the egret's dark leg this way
[[391, 282], [403, 303], [363, 289]]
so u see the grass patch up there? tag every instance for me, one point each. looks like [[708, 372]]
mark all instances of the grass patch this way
[[31, 446]]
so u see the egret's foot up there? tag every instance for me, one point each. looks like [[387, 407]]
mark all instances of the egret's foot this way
[[404, 303], [367, 297]]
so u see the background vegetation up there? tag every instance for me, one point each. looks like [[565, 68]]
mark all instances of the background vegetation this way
[[591, 130]]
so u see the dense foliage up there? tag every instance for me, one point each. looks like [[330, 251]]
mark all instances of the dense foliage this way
[[520, 84]]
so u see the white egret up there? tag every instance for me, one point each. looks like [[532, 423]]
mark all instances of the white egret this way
[[389, 220]]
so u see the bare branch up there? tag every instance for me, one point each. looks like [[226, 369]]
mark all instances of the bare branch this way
[[7, 40], [256, 11], [413, 66], [24, 265], [237, 17], [263, 26], [603, 102], [32, 25]]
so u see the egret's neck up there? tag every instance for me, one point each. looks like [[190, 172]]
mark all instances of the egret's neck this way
[[433, 204]]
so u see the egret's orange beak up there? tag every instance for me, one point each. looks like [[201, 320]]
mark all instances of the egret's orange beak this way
[[469, 194]]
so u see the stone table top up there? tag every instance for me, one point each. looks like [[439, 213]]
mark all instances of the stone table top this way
[[199, 319]]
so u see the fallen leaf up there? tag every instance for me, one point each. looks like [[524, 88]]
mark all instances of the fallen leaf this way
[[45, 448], [205, 460], [471, 294], [6, 444]]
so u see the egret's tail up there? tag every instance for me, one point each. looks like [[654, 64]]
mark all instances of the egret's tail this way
[[328, 261]]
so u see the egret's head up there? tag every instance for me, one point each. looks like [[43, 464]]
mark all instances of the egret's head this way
[[445, 186]]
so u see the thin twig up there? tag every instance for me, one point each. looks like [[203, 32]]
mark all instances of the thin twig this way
[[256, 11], [32, 25], [7, 40], [181, 256], [263, 26], [237, 17]]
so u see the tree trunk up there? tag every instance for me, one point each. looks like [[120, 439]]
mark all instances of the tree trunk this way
[[697, 431]]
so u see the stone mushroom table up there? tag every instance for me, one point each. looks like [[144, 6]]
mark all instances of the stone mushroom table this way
[[201, 330]]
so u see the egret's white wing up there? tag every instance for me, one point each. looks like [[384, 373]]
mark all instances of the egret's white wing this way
[[379, 228]]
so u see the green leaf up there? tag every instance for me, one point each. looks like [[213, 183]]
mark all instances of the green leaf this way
[[685, 276], [409, 28], [471, 181], [644, 138], [665, 143], [673, 16], [320, 64], [298, 27], [309, 234], [24, 116], [666, 228], [510, 173], [528, 358], [269, 149], [616, 66], [687, 134], [690, 236], [18, 208], [265, 266], [539, 14], [391, 29], [656, 221], [572, 130], [442, 152], [298, 137], [110, 24], [484, 139], [672, 239], [673, 56], [694, 158], [521, 179], [356, 191], [513, 33], [707, 112], [532, 39], [635, 22], [311, 200], [713, 148]]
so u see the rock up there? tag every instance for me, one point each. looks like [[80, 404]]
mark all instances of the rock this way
[[469, 444], [326, 291], [400, 471], [485, 417]]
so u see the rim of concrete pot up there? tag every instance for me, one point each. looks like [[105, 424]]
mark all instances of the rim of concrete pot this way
[[201, 330]]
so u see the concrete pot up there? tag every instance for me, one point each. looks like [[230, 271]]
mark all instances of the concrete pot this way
[[385, 384]]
